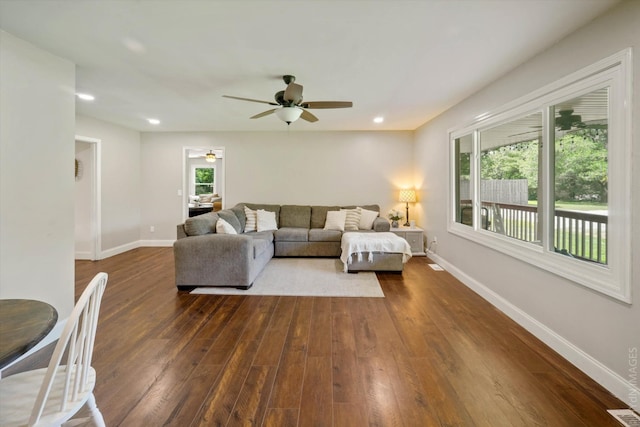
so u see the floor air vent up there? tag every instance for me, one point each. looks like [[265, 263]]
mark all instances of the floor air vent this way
[[626, 417]]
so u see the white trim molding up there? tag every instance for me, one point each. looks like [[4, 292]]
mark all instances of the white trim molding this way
[[612, 279]]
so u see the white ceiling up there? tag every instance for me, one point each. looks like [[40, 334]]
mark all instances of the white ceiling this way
[[173, 60]]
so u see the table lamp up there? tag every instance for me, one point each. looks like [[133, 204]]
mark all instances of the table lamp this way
[[407, 196]]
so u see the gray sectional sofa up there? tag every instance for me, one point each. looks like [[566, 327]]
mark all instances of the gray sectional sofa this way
[[204, 257]]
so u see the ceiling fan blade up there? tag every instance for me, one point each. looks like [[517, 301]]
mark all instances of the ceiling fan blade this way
[[327, 104], [293, 93], [308, 116], [265, 113], [249, 99]]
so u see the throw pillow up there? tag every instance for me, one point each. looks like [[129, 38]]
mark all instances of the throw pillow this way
[[367, 218], [335, 220], [206, 198], [230, 216], [352, 223], [266, 220], [251, 219], [223, 227]]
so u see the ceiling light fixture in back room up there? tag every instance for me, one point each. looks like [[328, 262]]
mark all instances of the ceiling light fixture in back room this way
[[291, 105]]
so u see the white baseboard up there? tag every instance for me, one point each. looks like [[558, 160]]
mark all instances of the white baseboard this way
[[133, 245], [156, 243], [616, 384], [119, 249]]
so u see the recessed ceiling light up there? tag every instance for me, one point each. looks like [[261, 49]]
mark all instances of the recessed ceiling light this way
[[85, 96], [154, 121], [378, 119]]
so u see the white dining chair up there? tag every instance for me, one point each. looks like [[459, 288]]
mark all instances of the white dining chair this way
[[51, 396]]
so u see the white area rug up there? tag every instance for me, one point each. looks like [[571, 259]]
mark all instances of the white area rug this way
[[316, 277]]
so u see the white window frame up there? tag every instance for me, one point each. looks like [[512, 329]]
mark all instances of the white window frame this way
[[613, 279], [192, 177]]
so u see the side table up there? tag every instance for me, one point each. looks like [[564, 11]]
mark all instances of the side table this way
[[415, 237]]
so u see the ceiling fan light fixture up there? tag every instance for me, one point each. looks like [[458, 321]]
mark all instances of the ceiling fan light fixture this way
[[289, 114], [210, 157]]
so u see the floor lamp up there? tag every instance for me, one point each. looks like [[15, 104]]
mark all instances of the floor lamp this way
[[407, 196]]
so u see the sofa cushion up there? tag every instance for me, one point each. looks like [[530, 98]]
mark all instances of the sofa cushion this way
[[259, 246], [319, 215], [295, 216], [291, 234], [320, 235], [229, 216], [201, 224], [266, 235], [239, 211], [367, 207]]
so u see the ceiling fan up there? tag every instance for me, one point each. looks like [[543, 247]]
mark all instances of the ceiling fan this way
[[567, 120], [291, 107]]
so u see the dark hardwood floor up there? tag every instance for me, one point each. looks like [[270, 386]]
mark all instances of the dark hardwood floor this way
[[431, 353]]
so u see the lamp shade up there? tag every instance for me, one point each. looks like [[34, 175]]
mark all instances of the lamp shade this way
[[289, 114], [408, 196]]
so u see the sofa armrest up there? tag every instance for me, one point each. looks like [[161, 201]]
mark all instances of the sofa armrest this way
[[213, 260], [381, 224], [180, 233]]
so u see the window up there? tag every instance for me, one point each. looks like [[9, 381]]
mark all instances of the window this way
[[533, 180], [509, 175], [203, 180]]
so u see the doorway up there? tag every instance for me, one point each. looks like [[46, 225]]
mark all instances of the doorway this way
[[196, 199], [87, 199]]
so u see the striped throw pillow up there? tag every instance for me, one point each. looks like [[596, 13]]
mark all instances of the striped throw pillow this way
[[352, 223], [251, 224]]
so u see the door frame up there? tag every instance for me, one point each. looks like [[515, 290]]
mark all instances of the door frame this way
[[96, 196], [185, 176]]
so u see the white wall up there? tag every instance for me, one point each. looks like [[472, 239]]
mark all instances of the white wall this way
[[277, 167], [595, 331], [120, 180], [37, 102]]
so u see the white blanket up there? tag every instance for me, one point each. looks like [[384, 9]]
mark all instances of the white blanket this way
[[358, 243]]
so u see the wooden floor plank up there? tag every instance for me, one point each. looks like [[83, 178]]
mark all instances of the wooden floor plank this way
[[316, 405], [432, 352], [287, 389]]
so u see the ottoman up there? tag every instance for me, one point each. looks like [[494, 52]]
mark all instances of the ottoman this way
[[382, 251]]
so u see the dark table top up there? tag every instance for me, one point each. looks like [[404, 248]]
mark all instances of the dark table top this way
[[23, 324]]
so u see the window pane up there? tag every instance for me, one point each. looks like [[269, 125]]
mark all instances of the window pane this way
[[509, 175], [581, 176], [203, 178], [204, 189], [464, 208], [204, 175]]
